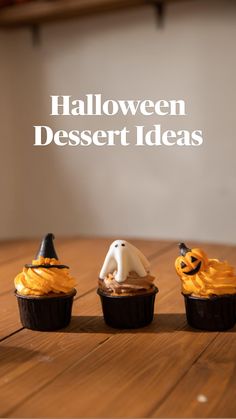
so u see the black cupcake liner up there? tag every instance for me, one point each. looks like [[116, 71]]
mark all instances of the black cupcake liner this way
[[215, 313], [128, 311], [45, 313]]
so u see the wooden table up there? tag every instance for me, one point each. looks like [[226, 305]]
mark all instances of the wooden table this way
[[91, 370]]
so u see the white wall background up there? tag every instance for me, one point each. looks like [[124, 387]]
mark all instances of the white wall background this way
[[163, 192]]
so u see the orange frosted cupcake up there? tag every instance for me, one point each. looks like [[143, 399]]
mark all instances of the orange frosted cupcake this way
[[45, 290], [209, 289]]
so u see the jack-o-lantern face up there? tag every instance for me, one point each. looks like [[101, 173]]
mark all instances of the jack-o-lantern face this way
[[191, 261]]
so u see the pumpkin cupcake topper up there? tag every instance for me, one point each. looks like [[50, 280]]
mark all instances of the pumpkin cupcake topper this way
[[190, 261]]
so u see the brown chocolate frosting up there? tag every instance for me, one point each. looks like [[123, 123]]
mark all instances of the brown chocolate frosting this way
[[133, 284]]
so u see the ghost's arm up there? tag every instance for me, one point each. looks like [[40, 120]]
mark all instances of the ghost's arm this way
[[109, 266], [143, 260], [138, 266]]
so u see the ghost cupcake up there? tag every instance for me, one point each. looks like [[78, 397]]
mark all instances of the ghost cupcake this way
[[209, 290], [45, 290], [126, 287]]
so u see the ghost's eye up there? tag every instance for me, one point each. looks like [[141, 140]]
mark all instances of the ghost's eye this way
[[116, 245], [123, 244]]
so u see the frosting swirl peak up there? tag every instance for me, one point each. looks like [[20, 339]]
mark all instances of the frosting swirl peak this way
[[39, 279], [217, 279]]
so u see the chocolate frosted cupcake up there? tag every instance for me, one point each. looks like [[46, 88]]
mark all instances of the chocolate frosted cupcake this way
[[126, 287], [45, 290], [209, 289]]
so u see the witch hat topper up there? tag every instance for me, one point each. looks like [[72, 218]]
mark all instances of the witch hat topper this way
[[47, 250], [183, 249]]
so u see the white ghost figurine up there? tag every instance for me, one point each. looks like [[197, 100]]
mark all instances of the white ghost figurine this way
[[123, 258]]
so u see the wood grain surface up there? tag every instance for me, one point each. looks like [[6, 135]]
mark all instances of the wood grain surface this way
[[91, 370]]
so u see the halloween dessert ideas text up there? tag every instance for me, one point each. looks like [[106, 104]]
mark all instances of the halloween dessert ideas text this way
[[209, 289], [126, 287], [45, 290]]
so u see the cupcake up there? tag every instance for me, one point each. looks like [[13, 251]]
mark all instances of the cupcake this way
[[45, 290], [209, 290], [126, 287]]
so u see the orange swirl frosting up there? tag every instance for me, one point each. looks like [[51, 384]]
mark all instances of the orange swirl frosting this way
[[217, 279], [43, 281], [203, 277]]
